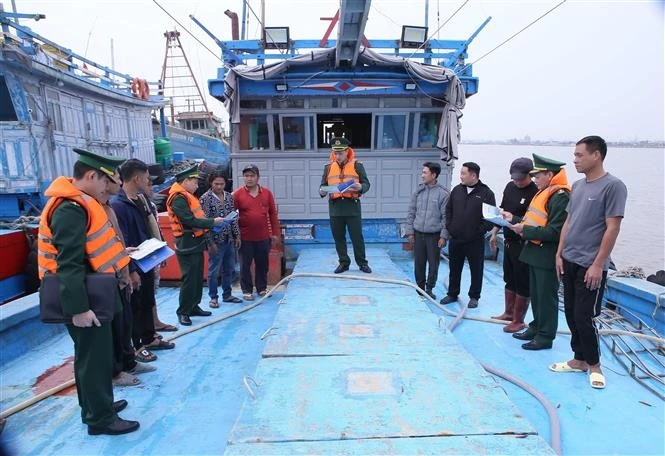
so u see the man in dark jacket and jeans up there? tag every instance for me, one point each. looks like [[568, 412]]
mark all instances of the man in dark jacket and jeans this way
[[466, 232]]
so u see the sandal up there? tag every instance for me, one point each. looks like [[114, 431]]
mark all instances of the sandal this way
[[263, 293], [158, 344], [248, 296], [213, 303], [144, 356], [126, 379], [166, 327]]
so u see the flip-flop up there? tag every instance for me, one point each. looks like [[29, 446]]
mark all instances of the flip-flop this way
[[160, 345], [564, 367], [167, 328], [597, 377]]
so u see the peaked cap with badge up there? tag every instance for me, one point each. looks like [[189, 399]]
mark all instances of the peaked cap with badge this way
[[107, 164], [541, 163], [339, 143], [186, 174]]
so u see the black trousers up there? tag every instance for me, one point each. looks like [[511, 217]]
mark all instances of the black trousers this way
[[257, 252], [515, 273], [121, 329], [474, 253], [143, 300], [544, 304], [581, 307], [338, 225], [426, 252]]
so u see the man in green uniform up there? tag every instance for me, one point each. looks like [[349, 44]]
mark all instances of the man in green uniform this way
[[189, 226], [93, 344], [344, 206], [541, 228]]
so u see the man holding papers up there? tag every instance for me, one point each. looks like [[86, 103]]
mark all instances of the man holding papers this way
[[189, 227], [344, 181], [516, 199], [133, 211]]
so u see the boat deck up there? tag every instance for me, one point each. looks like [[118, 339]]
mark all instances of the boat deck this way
[[337, 366]]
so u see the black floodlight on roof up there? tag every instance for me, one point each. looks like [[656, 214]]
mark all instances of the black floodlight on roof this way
[[413, 36]]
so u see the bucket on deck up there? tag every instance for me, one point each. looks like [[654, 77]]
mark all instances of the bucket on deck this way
[[178, 156]]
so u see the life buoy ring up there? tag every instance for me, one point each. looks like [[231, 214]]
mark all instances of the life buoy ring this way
[[144, 89], [136, 84]]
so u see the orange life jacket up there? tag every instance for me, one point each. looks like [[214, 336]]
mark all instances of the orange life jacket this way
[[194, 206], [536, 214], [337, 176], [103, 248]]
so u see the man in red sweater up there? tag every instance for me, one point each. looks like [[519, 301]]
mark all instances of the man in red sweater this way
[[259, 226]]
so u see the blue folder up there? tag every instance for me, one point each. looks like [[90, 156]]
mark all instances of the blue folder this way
[[153, 260]]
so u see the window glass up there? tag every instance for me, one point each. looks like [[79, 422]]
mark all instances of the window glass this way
[[294, 132], [399, 102], [287, 103], [254, 132], [389, 132], [428, 128], [252, 104], [362, 102]]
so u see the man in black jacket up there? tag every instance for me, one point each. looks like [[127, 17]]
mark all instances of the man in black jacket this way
[[466, 232]]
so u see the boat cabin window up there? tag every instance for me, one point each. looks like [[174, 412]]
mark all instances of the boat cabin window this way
[[323, 102], [254, 132], [399, 102], [297, 132], [356, 127], [7, 111], [389, 131], [252, 104], [362, 102], [288, 103], [427, 129]]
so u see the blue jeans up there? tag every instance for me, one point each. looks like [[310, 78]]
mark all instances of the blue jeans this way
[[224, 258]]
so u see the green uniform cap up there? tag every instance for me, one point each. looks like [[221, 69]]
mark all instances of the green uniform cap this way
[[186, 174], [104, 163], [339, 143], [541, 163]]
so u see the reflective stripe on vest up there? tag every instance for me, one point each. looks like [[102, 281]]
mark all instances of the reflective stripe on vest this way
[[194, 206], [337, 176], [537, 213], [103, 249]]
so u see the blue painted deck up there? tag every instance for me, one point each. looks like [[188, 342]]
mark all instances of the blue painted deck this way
[[396, 374]]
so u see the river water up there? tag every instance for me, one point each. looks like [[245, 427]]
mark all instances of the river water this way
[[642, 238]]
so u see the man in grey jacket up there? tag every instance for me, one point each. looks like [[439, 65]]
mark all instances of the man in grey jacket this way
[[426, 226]]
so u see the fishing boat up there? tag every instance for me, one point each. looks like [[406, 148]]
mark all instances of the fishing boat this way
[[350, 363], [54, 100]]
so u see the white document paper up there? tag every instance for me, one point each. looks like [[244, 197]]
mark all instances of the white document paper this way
[[491, 214], [146, 248]]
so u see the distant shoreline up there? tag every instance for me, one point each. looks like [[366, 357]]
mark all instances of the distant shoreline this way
[[519, 142]]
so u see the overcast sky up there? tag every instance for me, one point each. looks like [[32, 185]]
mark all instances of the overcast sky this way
[[589, 67]]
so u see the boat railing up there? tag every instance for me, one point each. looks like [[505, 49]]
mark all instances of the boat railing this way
[[56, 57]]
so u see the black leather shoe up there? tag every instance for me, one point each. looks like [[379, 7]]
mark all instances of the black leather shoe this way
[[473, 303], [533, 345], [447, 299], [341, 268], [232, 299], [366, 269], [198, 312], [118, 427], [185, 320], [524, 335], [431, 294], [119, 406]]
